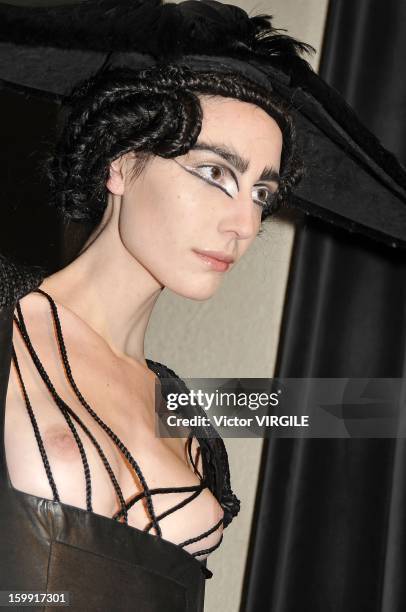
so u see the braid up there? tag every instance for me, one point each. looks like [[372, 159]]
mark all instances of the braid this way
[[154, 111]]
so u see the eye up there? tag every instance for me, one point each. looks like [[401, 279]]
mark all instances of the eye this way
[[263, 196], [219, 176], [212, 173]]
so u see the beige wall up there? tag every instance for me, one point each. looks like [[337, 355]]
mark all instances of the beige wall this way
[[235, 333]]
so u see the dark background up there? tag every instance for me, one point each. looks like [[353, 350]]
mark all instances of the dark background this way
[[329, 526]]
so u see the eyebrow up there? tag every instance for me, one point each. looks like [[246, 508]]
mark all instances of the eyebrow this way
[[235, 159]]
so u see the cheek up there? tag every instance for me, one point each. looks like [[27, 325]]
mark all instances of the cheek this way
[[159, 226], [157, 223]]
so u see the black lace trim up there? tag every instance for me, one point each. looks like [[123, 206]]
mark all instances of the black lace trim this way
[[214, 453], [231, 506]]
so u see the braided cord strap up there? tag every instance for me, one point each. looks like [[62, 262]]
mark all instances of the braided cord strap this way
[[34, 423], [66, 409], [124, 450]]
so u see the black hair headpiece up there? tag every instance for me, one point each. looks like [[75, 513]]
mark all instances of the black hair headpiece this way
[[350, 179]]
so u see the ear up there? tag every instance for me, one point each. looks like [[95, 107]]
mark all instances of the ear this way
[[116, 180]]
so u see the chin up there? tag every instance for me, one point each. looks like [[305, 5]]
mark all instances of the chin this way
[[195, 291]]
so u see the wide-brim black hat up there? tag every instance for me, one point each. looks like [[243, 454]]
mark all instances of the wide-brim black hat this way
[[350, 179]]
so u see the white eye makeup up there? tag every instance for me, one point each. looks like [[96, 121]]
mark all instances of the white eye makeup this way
[[224, 178]]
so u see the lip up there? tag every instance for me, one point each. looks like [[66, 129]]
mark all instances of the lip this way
[[216, 255], [215, 259]]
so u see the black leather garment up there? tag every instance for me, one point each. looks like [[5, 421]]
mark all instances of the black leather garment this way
[[104, 564]]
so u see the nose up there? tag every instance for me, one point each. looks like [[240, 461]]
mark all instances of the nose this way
[[241, 216]]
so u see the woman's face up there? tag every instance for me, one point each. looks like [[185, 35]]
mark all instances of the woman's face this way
[[209, 200]]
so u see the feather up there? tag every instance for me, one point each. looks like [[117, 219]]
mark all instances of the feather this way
[[148, 26], [99, 25]]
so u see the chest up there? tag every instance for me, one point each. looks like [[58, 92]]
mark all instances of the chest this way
[[117, 411]]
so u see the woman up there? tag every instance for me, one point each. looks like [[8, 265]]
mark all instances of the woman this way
[[176, 195], [176, 165]]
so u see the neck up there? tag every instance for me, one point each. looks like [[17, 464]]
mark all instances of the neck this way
[[110, 291]]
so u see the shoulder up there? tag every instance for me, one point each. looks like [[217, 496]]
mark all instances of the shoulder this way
[[214, 452], [16, 280]]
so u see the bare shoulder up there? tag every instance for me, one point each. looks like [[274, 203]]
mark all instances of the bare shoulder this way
[[24, 461], [41, 421]]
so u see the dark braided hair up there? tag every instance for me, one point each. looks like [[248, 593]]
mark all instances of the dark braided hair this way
[[153, 111]]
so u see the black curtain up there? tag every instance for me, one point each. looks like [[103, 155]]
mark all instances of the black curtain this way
[[329, 530], [31, 232], [29, 229]]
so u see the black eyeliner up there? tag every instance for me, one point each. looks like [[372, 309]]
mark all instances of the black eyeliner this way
[[234, 176], [271, 193], [209, 182], [194, 173]]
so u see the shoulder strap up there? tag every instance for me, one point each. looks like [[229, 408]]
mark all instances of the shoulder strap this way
[[214, 454]]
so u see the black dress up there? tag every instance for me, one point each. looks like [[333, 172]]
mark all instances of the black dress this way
[[104, 564]]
